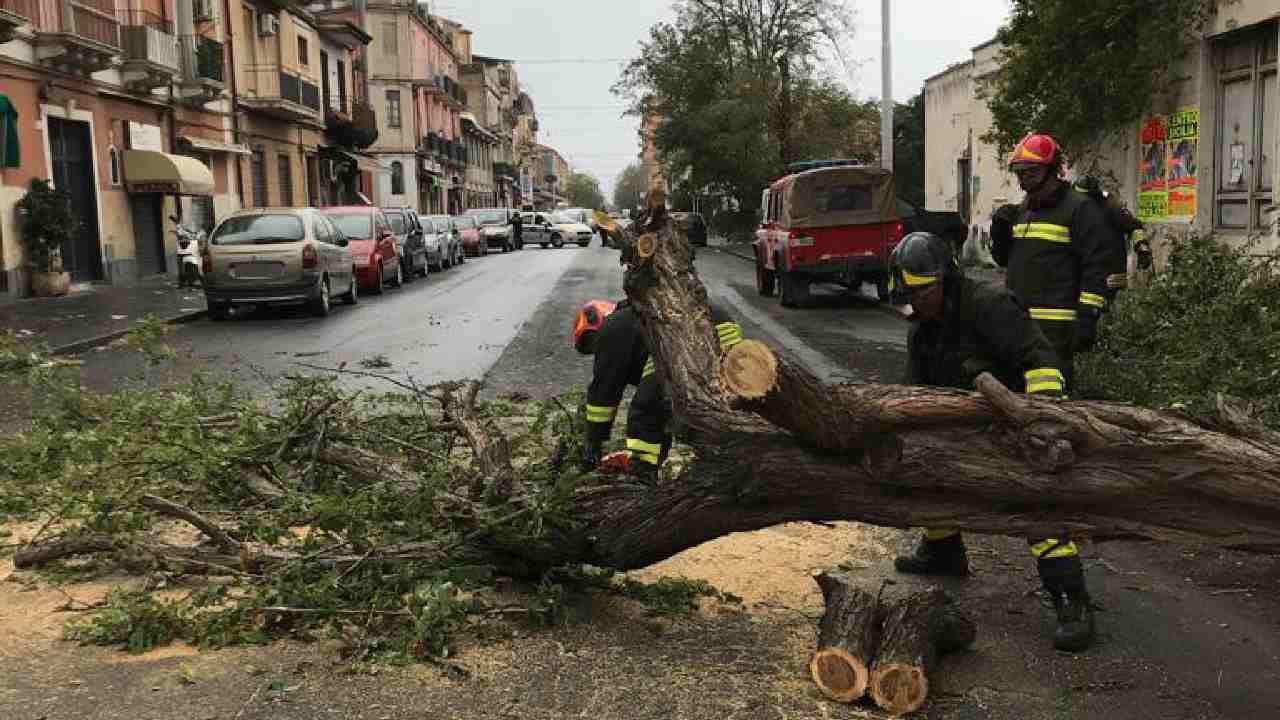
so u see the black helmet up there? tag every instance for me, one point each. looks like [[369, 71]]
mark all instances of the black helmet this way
[[921, 259]]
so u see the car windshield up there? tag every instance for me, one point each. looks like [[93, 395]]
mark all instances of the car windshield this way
[[354, 225], [491, 217], [463, 223], [259, 230], [397, 222], [441, 224]]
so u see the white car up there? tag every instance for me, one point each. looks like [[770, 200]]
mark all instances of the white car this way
[[444, 248], [554, 229]]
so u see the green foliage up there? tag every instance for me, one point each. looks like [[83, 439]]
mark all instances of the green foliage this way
[[908, 150], [134, 620], [1121, 55], [1209, 324], [14, 356], [628, 187], [583, 190], [46, 223], [668, 596]]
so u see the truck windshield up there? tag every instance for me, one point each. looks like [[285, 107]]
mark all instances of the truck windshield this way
[[839, 198]]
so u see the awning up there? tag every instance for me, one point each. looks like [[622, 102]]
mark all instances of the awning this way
[[363, 163], [198, 143], [148, 171]]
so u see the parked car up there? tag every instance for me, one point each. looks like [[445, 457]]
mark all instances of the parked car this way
[[827, 224], [692, 224], [444, 249], [495, 227], [408, 231], [374, 249], [277, 256], [468, 231]]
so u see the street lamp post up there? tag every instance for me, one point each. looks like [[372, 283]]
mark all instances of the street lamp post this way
[[886, 90]]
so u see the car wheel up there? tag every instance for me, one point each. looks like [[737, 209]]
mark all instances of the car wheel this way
[[397, 280], [379, 283], [766, 280], [352, 296], [219, 312], [544, 245], [795, 289], [321, 306], [557, 242]]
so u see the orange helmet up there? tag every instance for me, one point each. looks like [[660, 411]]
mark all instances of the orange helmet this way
[[588, 322], [1036, 149]]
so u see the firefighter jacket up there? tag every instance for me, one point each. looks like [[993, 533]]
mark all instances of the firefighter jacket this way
[[622, 359], [1059, 256], [983, 329]]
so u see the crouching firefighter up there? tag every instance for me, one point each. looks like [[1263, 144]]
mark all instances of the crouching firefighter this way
[[961, 328], [611, 333]]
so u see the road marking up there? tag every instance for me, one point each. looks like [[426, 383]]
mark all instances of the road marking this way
[[813, 360]]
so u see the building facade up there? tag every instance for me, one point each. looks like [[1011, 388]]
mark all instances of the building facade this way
[[1200, 161]]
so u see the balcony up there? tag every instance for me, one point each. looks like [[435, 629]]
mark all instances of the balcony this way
[[272, 91], [203, 63], [150, 53], [77, 36], [14, 14], [357, 128]]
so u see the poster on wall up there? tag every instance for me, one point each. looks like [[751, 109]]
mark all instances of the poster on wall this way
[[1153, 195], [1182, 140]]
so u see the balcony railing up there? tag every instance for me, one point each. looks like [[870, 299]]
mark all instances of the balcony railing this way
[[28, 9], [203, 59], [278, 92], [148, 43], [89, 19]]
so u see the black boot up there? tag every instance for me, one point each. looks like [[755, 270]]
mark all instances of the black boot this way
[[1064, 580], [936, 557]]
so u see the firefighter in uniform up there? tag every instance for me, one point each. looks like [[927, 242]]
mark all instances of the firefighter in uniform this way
[[1058, 248], [611, 333], [961, 328]]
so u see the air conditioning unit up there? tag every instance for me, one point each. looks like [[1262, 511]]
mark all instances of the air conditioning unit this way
[[268, 25], [203, 10]]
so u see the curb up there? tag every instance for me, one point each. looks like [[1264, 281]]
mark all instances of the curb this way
[[79, 346], [879, 306]]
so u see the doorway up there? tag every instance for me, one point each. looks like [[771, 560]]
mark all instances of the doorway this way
[[71, 154], [148, 233]]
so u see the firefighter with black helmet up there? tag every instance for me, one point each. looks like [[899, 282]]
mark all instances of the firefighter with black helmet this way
[[611, 333], [962, 327], [1058, 247]]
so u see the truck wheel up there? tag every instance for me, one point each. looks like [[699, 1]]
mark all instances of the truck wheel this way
[[882, 288], [766, 280], [795, 289]]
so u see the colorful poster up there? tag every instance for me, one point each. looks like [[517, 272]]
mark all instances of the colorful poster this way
[[1153, 195], [1182, 141]]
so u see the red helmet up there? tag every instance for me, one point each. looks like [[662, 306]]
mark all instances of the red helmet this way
[[589, 321], [1036, 149]]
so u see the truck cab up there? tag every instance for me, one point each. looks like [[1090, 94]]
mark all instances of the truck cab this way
[[834, 223]]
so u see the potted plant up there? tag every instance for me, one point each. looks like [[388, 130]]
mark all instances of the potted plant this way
[[46, 223]]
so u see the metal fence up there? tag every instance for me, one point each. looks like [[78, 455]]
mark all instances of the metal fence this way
[[90, 19]]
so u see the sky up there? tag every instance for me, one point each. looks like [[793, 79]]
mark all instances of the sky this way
[[569, 54]]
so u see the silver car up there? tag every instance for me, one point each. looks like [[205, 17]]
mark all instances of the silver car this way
[[277, 256], [444, 247]]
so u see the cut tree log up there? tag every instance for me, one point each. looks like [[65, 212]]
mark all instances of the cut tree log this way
[[848, 635], [917, 630]]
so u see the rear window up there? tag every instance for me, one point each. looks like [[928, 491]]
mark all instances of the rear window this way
[[259, 230], [839, 198], [353, 225], [397, 222]]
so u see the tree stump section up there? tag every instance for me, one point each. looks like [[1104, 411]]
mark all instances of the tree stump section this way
[[916, 632], [847, 639]]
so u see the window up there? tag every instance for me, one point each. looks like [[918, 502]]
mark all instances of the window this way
[[1246, 131], [842, 198], [320, 227], [115, 165], [342, 85], [397, 178], [302, 52], [258, 169], [393, 108], [286, 180], [259, 230], [390, 41]]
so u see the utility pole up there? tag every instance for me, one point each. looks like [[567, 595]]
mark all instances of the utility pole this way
[[886, 89]]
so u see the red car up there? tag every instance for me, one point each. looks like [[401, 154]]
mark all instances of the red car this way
[[373, 247], [469, 233]]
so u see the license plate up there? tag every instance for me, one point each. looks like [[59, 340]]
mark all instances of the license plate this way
[[257, 270]]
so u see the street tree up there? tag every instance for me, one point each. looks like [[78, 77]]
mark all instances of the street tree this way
[[583, 190], [908, 150], [629, 188], [1120, 54]]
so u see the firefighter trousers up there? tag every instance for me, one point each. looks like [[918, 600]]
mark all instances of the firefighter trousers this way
[[647, 437]]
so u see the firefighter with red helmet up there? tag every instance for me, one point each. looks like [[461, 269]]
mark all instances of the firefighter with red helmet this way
[[1058, 247], [610, 332]]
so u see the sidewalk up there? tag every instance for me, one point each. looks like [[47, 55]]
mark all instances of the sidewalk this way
[[95, 315]]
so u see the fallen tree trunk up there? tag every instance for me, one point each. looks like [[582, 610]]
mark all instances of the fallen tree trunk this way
[[848, 636], [917, 630]]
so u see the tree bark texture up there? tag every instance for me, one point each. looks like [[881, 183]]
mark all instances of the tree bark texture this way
[[917, 630], [848, 635]]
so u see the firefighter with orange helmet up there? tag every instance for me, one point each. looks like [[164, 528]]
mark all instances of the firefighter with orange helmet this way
[[610, 332]]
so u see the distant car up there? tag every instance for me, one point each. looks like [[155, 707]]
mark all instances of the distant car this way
[[444, 249], [693, 226], [495, 227], [586, 216], [468, 231], [277, 256], [374, 250], [573, 228], [408, 231], [538, 228]]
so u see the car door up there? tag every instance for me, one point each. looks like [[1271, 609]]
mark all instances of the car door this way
[[386, 244], [339, 265]]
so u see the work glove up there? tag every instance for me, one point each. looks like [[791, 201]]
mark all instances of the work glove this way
[[1086, 331], [616, 463], [590, 459]]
